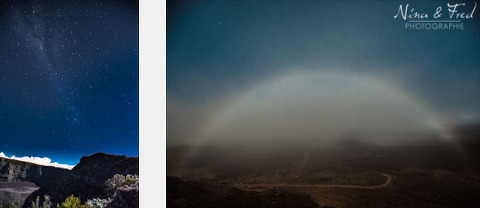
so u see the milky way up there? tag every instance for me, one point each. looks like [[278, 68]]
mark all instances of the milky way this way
[[68, 78]]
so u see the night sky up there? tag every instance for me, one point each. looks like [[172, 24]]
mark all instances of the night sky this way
[[218, 50], [68, 78]]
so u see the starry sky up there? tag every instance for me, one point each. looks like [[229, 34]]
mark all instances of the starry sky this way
[[68, 78], [216, 50]]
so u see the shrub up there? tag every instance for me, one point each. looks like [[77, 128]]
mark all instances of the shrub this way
[[124, 190], [14, 203], [115, 182], [119, 180], [71, 202], [36, 203], [46, 202], [131, 179], [97, 203]]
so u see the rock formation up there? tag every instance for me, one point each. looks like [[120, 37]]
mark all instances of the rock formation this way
[[14, 171], [86, 180]]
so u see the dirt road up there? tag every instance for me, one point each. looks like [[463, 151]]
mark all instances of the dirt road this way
[[388, 181]]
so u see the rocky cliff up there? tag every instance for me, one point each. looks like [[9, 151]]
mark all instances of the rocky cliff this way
[[86, 180], [16, 171]]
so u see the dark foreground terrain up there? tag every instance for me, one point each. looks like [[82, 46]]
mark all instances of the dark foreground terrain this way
[[22, 182], [204, 194], [15, 190], [349, 173]]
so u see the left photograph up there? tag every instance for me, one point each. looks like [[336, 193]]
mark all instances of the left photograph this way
[[69, 87]]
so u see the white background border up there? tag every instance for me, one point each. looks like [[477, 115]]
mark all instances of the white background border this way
[[152, 103]]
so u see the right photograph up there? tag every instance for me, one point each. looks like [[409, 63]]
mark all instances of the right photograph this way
[[298, 104]]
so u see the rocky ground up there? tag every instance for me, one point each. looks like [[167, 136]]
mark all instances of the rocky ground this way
[[15, 190], [181, 194], [86, 180]]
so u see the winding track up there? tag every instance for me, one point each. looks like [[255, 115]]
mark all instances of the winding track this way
[[387, 183]]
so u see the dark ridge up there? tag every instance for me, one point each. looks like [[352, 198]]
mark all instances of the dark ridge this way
[[86, 180], [19, 171]]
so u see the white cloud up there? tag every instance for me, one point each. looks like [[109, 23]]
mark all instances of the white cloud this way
[[45, 161]]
